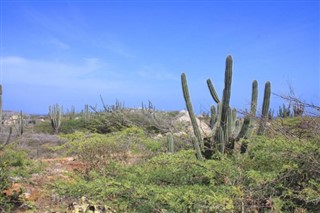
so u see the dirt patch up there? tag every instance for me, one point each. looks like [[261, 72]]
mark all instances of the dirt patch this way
[[35, 191]]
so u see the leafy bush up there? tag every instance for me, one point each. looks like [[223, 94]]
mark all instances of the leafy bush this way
[[151, 121], [70, 126], [5, 204], [14, 164], [274, 175], [67, 126], [99, 150], [286, 170], [166, 183]]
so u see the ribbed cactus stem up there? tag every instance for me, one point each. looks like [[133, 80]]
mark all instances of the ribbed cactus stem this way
[[219, 109], [244, 128], [265, 108], [220, 139], [55, 114], [213, 91], [196, 147], [226, 93], [230, 125], [254, 98], [20, 124], [186, 96], [170, 143], [213, 118], [236, 127]]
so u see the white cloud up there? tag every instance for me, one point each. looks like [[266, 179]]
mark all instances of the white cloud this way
[[18, 70]]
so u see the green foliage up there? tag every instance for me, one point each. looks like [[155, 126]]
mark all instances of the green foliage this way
[[14, 164], [286, 169], [302, 128], [167, 183], [43, 127], [67, 126], [4, 184], [99, 150], [72, 125], [274, 175]]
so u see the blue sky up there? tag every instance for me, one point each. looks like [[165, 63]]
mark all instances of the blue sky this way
[[70, 52]]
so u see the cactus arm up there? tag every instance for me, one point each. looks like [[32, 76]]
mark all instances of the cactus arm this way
[[186, 96], [265, 108], [213, 91]]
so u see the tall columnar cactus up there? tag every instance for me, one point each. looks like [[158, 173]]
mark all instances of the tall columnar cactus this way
[[55, 114], [226, 93], [195, 125], [254, 98], [86, 114], [265, 108], [226, 128], [19, 124]]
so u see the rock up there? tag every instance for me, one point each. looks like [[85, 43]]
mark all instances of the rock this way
[[183, 117]]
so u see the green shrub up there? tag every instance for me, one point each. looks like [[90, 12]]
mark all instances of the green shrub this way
[[43, 127], [70, 126], [14, 164], [166, 183], [286, 170], [98, 150], [274, 175]]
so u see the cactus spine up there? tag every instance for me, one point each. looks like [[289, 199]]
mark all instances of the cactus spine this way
[[265, 108], [55, 114]]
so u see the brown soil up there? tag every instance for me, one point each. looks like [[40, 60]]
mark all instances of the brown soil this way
[[36, 197]]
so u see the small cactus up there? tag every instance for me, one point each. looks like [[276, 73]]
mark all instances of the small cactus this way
[[170, 143]]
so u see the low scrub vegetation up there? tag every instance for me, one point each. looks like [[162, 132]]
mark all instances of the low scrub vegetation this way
[[274, 175]]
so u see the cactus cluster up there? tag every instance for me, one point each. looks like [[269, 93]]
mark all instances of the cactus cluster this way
[[226, 127], [55, 114], [19, 124]]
